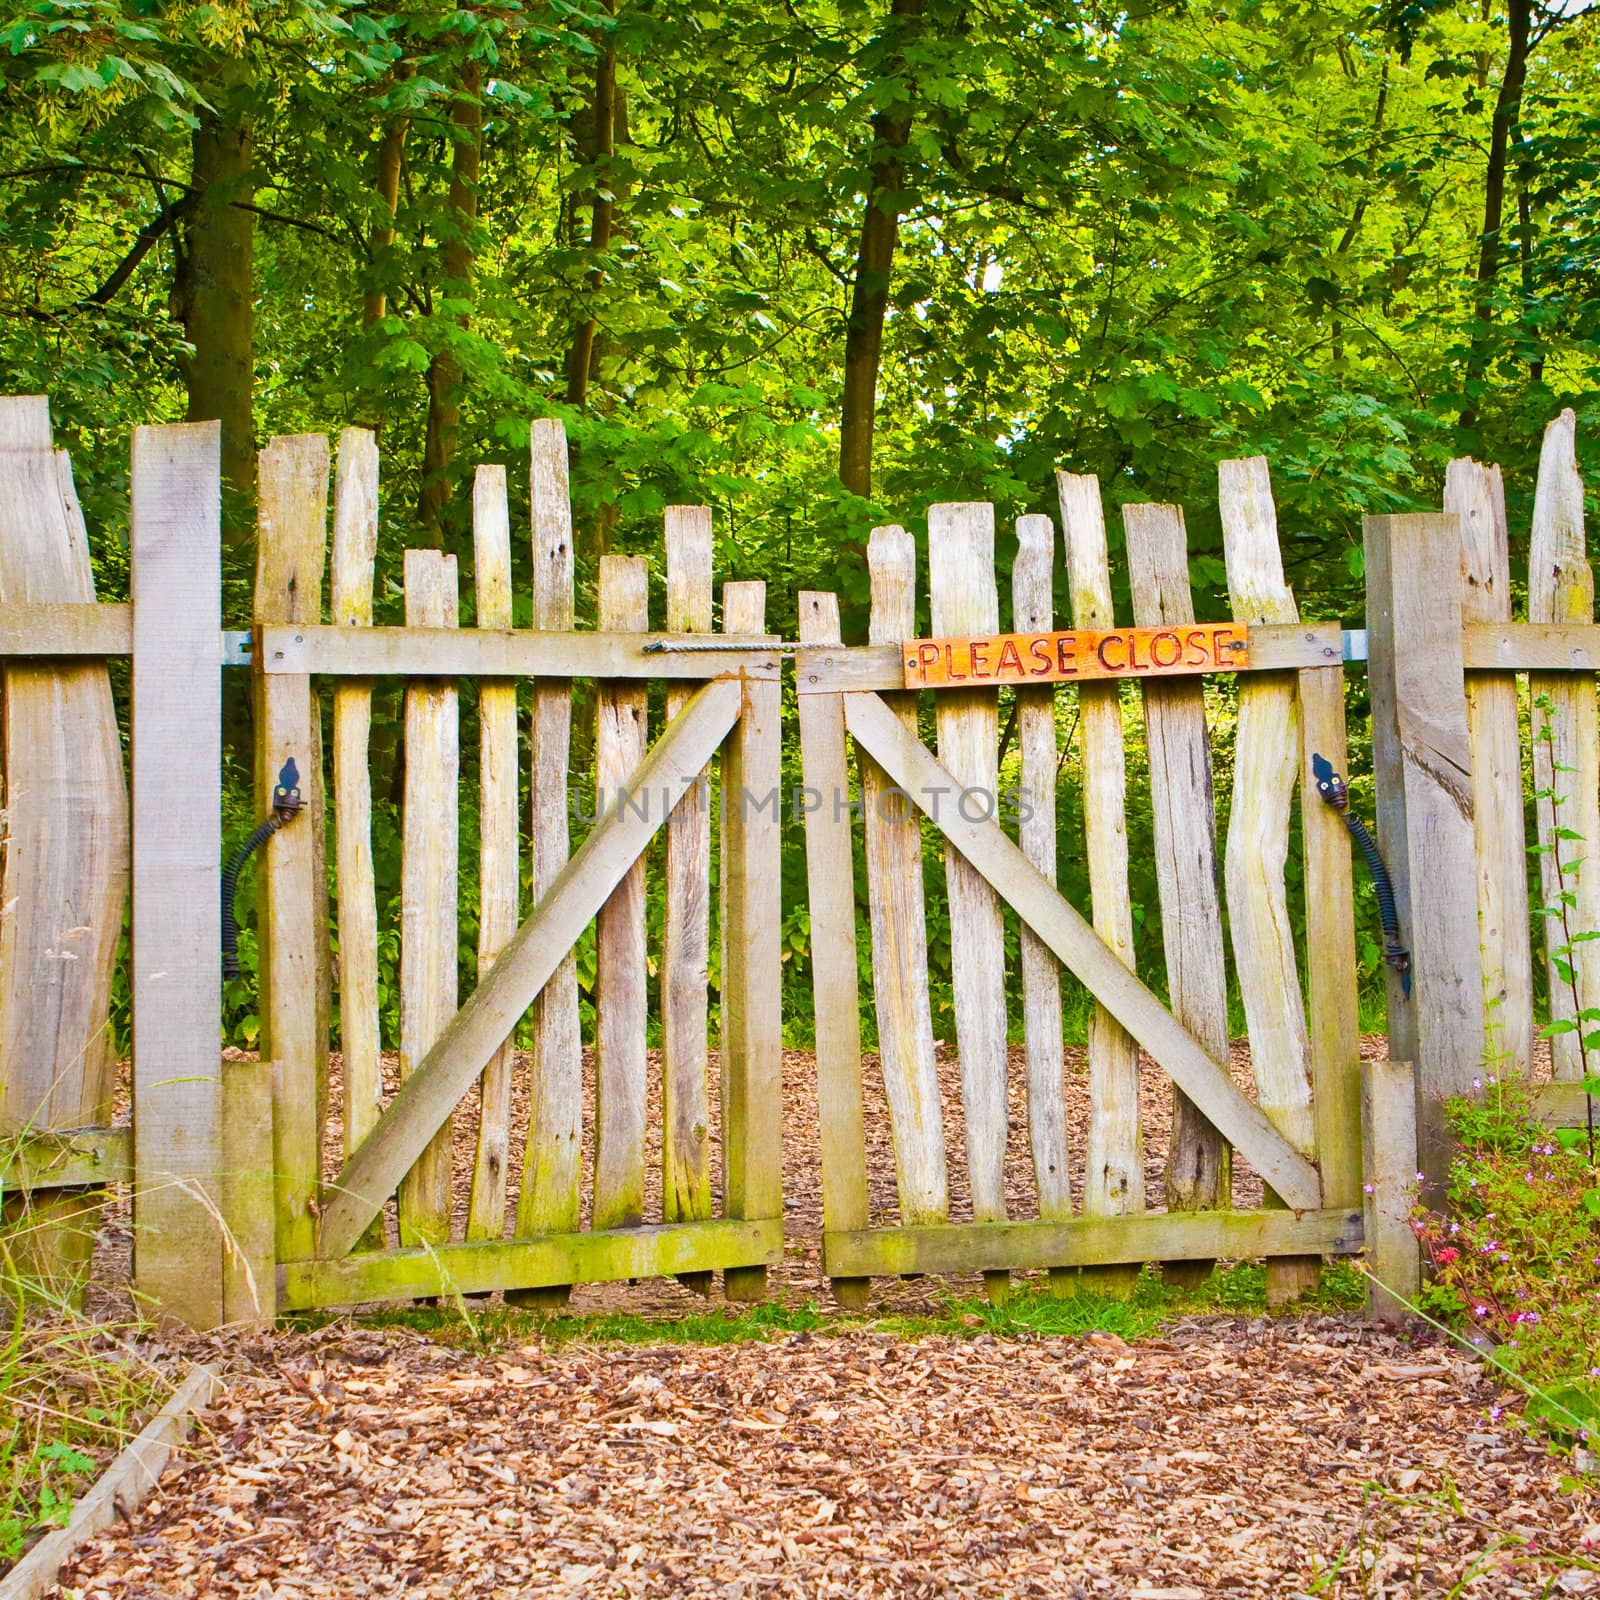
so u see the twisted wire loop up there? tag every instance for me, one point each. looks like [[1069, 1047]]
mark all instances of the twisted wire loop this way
[[286, 805], [1336, 792]]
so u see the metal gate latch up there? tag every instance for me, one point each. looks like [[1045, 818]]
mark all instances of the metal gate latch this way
[[1336, 792], [286, 806]]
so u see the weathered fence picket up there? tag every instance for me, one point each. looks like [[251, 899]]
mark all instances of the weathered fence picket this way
[[355, 548], [752, 914], [63, 880], [1113, 1177], [499, 844], [966, 600], [292, 540], [1199, 1169], [1475, 494], [1421, 763], [686, 944], [1566, 748], [620, 1002], [1266, 766], [551, 1170], [1031, 611], [429, 886], [181, 1141], [895, 900], [830, 862]]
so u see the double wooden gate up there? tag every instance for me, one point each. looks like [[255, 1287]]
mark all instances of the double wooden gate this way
[[459, 1166]]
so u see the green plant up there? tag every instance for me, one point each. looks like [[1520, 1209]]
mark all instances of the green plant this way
[[1581, 1022], [72, 1391], [1409, 1530], [1516, 1255]]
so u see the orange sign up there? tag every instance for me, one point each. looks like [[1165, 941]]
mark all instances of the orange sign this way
[[1078, 654]]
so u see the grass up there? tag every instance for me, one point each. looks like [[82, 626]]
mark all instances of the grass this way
[[73, 1391], [1235, 1291]]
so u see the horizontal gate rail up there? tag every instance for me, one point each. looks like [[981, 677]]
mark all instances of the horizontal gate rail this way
[[67, 1158], [480, 1266], [1093, 1241], [500, 653]]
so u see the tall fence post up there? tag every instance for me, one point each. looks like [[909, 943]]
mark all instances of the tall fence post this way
[[1424, 781], [178, 1163], [291, 898]]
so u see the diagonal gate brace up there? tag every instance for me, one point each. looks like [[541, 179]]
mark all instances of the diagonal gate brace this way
[[1080, 949], [524, 966]]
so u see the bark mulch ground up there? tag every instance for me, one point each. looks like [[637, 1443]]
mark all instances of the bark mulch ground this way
[[1236, 1456], [1228, 1457]]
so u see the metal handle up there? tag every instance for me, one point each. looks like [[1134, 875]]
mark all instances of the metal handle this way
[[286, 806], [1336, 792]]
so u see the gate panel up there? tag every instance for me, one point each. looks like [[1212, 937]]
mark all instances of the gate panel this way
[[337, 1240], [970, 667]]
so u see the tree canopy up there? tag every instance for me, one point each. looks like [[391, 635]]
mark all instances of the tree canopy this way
[[817, 262]]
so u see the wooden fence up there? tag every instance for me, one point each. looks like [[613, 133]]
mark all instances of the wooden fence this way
[[257, 1188], [1467, 704], [330, 1241], [310, 1179]]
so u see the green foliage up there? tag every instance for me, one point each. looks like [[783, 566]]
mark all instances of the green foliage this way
[[1129, 243], [1236, 1290], [1516, 1256]]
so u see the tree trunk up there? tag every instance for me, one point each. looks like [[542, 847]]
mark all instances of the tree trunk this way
[[869, 300], [1507, 114], [214, 297], [444, 371], [1525, 255], [601, 146], [386, 184]]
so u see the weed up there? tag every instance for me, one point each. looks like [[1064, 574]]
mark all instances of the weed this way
[[1238, 1290], [1516, 1256], [72, 1391]]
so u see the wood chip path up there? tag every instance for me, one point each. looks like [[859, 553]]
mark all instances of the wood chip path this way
[[1226, 1458], [1230, 1457]]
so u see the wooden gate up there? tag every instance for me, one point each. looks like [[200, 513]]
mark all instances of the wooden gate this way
[[1301, 1132], [331, 1242]]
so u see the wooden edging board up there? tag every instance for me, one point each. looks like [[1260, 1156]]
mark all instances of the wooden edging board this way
[[124, 1485]]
